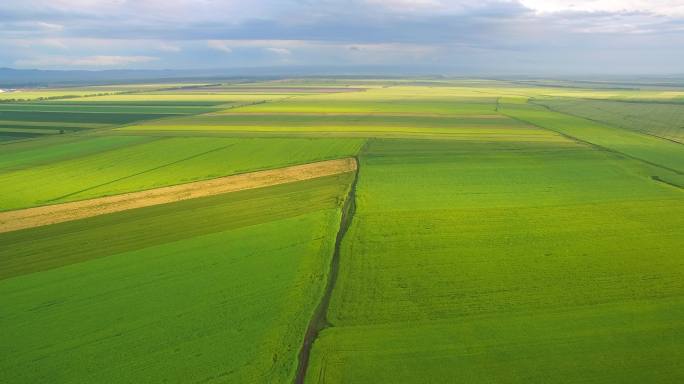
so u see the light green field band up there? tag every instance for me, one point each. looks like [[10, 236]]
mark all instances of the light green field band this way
[[58, 213]]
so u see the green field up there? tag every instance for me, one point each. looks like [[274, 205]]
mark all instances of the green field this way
[[375, 112], [513, 236], [106, 109], [664, 156], [495, 232], [58, 111], [64, 93], [207, 290], [40, 94], [337, 125], [662, 119], [103, 166]]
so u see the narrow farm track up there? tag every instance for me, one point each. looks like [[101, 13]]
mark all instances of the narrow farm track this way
[[58, 213], [318, 320]]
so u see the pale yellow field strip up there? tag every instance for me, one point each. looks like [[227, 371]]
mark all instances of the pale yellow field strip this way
[[58, 213]]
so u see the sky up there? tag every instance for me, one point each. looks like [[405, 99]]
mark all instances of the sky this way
[[439, 36]]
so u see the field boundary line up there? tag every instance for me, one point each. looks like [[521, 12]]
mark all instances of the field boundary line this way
[[59, 213], [597, 146], [670, 183], [319, 318], [541, 104], [141, 172]]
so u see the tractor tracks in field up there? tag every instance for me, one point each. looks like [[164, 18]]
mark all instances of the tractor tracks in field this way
[[141, 173], [534, 102], [594, 145], [666, 182], [319, 320]]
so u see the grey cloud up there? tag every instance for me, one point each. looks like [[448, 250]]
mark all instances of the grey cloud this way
[[458, 33]]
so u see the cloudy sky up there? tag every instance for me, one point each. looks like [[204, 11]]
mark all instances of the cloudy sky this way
[[449, 36]]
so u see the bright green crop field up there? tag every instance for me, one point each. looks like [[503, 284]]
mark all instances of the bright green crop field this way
[[513, 237], [61, 118], [210, 290], [102, 166], [663, 119], [494, 232]]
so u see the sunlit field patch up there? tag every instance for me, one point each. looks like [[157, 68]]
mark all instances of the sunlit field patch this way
[[521, 231]]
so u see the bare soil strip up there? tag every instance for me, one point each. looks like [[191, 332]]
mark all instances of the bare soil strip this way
[[58, 213]]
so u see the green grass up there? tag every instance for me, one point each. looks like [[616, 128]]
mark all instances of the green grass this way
[[146, 164], [106, 108], [78, 117], [32, 119], [285, 121], [121, 101], [659, 119], [12, 136], [29, 130], [176, 98], [634, 343], [75, 93], [37, 94], [376, 112], [23, 126], [361, 125], [216, 289], [334, 105], [478, 262], [49, 151], [493, 240], [649, 149]]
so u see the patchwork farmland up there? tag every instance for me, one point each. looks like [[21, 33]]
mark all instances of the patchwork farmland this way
[[472, 231]]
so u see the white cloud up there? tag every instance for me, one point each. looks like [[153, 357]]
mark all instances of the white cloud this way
[[279, 51], [51, 27], [30, 27], [166, 11], [120, 33], [220, 45], [167, 47], [433, 6], [263, 43], [111, 61], [659, 7], [42, 43], [407, 4], [84, 62]]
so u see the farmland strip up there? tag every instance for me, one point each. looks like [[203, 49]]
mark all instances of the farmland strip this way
[[319, 320], [142, 172], [596, 146], [52, 214]]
